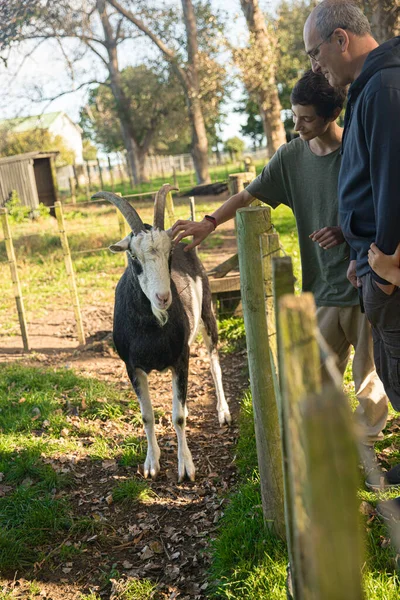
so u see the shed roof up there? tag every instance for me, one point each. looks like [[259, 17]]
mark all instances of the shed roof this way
[[26, 156], [20, 124]]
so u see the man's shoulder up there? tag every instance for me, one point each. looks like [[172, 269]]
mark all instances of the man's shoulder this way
[[292, 149], [384, 79]]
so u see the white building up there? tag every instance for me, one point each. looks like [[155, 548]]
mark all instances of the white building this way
[[56, 123]]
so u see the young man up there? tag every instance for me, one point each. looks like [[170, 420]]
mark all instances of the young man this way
[[337, 37], [303, 175]]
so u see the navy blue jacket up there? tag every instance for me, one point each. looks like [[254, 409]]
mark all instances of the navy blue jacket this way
[[369, 180]]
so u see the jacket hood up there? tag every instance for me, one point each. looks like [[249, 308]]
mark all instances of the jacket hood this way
[[385, 56]]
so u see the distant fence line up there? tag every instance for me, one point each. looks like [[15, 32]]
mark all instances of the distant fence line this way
[[104, 171]]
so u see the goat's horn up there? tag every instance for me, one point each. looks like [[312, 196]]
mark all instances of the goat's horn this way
[[159, 205], [130, 214]]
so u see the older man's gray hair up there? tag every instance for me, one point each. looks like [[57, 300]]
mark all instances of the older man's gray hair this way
[[331, 14]]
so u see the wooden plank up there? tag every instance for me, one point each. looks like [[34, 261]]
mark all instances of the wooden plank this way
[[226, 284], [225, 267]]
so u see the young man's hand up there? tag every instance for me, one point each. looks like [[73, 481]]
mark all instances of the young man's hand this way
[[351, 274], [199, 231], [328, 237]]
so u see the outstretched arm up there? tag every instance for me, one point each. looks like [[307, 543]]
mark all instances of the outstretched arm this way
[[386, 266], [201, 229]]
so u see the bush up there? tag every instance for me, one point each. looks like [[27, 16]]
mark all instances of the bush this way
[[18, 212]]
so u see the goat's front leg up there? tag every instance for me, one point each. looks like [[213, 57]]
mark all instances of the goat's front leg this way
[[179, 412], [210, 337], [141, 387]]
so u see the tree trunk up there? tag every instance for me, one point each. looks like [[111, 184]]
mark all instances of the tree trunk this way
[[122, 101], [199, 142], [189, 78], [267, 93], [199, 135]]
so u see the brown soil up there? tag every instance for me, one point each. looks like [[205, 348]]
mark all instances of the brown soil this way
[[165, 539]]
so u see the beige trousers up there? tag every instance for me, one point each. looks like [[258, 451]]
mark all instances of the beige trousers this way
[[343, 327]]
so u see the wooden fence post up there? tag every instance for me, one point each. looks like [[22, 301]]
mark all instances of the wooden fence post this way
[[283, 283], [169, 204], [238, 181], [123, 229], [110, 170], [270, 248], [252, 222], [192, 208], [72, 188], [335, 534], [70, 271], [299, 370], [100, 174], [15, 279]]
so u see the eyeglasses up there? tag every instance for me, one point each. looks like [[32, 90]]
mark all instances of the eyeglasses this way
[[313, 53]]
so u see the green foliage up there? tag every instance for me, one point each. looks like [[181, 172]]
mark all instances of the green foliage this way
[[16, 210], [156, 112], [135, 589], [40, 140], [232, 332], [235, 146], [89, 151]]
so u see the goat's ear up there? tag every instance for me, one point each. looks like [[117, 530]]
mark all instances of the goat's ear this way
[[121, 246]]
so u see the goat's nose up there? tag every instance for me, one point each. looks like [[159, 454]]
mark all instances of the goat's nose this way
[[163, 298]]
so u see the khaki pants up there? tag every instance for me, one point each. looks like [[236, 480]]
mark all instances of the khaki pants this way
[[343, 327]]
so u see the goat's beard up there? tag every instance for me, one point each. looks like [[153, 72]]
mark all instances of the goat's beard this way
[[160, 315]]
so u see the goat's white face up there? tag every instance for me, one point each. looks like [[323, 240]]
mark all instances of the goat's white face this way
[[151, 253], [153, 249]]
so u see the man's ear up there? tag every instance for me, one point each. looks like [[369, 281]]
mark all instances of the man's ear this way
[[342, 38], [121, 246]]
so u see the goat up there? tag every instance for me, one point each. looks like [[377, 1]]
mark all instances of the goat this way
[[161, 301]]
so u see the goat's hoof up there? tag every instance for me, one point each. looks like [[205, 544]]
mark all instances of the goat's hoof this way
[[186, 471], [151, 468], [224, 417]]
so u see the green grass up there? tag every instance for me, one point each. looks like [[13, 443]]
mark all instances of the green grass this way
[[35, 404], [131, 490]]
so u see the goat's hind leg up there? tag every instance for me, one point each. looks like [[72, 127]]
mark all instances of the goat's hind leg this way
[[141, 387], [209, 331], [179, 412]]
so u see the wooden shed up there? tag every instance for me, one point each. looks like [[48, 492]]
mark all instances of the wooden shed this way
[[33, 177]]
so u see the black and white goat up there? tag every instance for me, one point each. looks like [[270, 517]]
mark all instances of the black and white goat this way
[[161, 301]]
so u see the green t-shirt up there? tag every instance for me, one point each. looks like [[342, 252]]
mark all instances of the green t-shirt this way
[[308, 184]]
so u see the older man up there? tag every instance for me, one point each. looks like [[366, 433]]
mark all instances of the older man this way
[[338, 40]]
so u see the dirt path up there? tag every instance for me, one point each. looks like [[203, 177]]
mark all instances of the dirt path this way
[[166, 538]]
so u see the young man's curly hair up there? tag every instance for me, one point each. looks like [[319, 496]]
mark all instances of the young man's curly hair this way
[[313, 89]]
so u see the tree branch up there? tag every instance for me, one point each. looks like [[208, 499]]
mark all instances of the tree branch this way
[[168, 53]]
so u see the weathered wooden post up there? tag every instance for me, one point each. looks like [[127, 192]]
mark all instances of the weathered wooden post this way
[[238, 181], [174, 176], [192, 208], [72, 188], [169, 204], [19, 301], [270, 248], [123, 229], [100, 174], [87, 182], [283, 283], [251, 223], [110, 170], [70, 272], [299, 371], [319, 448], [335, 535]]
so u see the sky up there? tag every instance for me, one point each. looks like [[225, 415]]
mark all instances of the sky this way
[[43, 74]]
